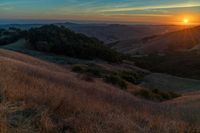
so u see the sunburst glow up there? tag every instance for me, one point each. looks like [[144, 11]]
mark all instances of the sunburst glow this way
[[186, 21], [180, 12]]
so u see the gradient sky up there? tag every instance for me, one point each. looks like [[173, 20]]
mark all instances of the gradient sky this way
[[139, 11]]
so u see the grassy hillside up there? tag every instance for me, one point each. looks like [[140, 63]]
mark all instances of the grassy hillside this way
[[178, 41], [37, 96]]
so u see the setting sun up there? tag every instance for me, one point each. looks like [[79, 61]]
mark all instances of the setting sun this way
[[186, 21]]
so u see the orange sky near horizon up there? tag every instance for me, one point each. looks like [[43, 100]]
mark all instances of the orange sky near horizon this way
[[127, 11]]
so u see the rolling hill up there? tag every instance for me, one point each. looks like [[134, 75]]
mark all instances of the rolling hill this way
[[181, 41], [175, 53], [87, 96], [177, 41], [37, 96]]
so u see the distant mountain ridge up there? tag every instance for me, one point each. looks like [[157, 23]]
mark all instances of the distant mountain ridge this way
[[176, 41], [183, 40], [108, 33]]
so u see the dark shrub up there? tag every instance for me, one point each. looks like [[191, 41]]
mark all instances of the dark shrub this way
[[165, 95], [93, 70], [174, 95], [156, 95], [79, 68], [133, 77], [147, 94], [116, 80]]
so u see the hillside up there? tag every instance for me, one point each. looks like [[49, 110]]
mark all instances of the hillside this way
[[110, 33], [176, 41], [88, 95], [180, 41], [61, 41], [175, 53], [54, 99]]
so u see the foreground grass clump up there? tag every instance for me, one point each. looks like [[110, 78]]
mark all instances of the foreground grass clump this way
[[18, 117], [156, 95], [116, 80]]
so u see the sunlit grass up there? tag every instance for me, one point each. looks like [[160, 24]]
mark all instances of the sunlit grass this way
[[64, 102]]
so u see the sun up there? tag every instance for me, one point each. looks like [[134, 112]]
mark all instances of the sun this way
[[186, 21]]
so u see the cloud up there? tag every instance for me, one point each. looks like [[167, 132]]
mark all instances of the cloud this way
[[150, 7]]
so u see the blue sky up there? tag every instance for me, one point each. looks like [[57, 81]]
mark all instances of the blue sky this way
[[150, 11]]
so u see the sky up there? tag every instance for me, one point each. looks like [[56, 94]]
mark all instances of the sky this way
[[132, 11]]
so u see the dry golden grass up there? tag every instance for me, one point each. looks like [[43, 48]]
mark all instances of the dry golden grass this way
[[64, 103]]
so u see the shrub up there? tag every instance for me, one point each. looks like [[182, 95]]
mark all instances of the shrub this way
[[166, 95], [79, 68], [116, 80], [156, 95], [174, 95], [93, 70], [147, 94], [131, 76]]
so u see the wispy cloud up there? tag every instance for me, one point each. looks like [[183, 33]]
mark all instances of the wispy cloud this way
[[98, 9], [150, 7]]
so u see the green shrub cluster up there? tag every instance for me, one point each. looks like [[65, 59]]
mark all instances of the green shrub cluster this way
[[132, 76], [157, 95], [116, 80], [96, 71], [93, 70]]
